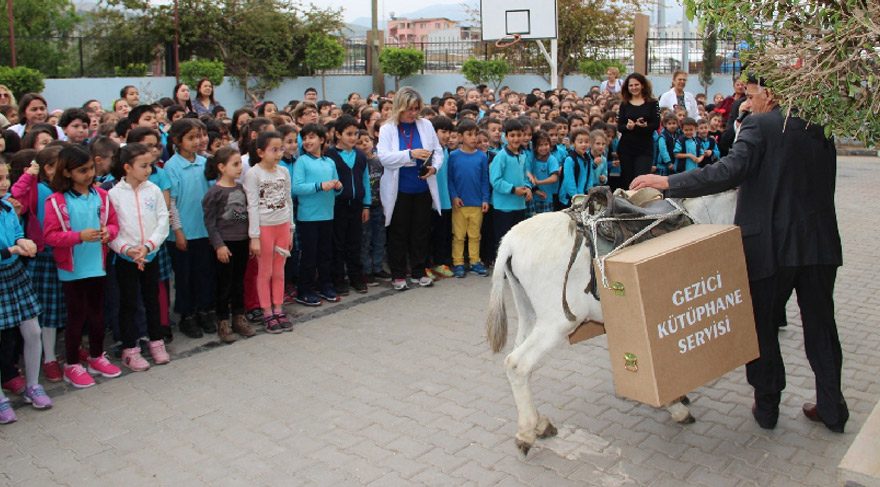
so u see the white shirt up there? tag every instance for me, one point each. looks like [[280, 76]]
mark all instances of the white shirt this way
[[670, 100]]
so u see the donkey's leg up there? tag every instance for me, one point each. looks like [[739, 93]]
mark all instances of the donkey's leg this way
[[680, 412], [520, 364], [525, 312]]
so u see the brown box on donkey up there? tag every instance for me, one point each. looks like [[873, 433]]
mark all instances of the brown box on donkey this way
[[679, 313]]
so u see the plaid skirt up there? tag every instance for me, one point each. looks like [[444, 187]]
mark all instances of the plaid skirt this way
[[18, 301], [165, 270], [538, 205], [43, 274]]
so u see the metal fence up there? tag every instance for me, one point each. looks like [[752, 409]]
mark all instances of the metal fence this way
[[89, 56], [667, 54]]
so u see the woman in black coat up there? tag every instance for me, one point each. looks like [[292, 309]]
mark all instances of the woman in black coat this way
[[637, 120]]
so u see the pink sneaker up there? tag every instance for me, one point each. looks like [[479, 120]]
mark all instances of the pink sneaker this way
[[15, 385], [132, 358], [157, 350], [77, 376], [7, 414], [103, 366], [52, 371]]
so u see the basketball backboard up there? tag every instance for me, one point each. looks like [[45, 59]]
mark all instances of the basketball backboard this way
[[529, 19]]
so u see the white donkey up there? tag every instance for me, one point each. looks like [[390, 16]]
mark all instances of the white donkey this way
[[533, 257]]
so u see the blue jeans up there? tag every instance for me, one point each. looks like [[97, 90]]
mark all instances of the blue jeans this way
[[373, 241]]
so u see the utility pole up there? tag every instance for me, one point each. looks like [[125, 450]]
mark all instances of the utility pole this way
[[11, 21], [374, 41], [177, 45]]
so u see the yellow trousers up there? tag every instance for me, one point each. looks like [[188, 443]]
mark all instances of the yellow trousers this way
[[466, 221]]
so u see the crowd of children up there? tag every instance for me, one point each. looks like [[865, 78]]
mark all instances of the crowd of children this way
[[100, 210]]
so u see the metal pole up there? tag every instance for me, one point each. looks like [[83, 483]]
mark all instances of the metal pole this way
[[685, 43], [82, 69], [11, 22], [176, 44], [375, 68]]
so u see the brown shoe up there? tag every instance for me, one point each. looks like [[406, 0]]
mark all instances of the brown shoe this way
[[224, 332], [812, 414], [241, 326]]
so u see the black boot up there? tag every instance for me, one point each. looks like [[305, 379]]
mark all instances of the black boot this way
[[208, 321], [190, 327]]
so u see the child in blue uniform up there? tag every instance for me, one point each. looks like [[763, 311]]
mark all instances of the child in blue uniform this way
[[511, 189], [543, 173], [664, 162], [689, 153], [576, 168]]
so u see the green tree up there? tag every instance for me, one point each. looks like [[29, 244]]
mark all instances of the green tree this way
[[819, 58], [42, 28], [710, 54], [478, 71], [323, 52], [260, 42], [596, 68], [21, 80], [192, 71], [401, 62]]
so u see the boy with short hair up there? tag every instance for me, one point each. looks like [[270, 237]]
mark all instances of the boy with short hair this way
[[373, 239], [707, 143], [576, 167], [441, 231], [689, 154], [665, 146], [75, 124], [469, 190], [510, 185], [351, 209]]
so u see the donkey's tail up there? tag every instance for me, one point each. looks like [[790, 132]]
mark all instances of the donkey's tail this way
[[496, 321]]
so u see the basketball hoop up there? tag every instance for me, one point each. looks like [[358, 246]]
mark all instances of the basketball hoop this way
[[508, 41]]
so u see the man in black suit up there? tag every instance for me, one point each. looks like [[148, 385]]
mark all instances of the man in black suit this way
[[785, 209]]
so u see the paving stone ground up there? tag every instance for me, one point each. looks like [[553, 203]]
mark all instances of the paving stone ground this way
[[401, 389]]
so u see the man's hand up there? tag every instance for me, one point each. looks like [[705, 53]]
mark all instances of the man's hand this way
[[650, 181]]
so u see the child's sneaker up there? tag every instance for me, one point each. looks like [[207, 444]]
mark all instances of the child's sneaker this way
[[341, 288], [360, 286], [382, 275], [308, 299], [479, 269], [290, 295], [36, 396], [241, 326], [458, 271], [254, 315], [7, 414], [132, 358], [159, 353], [224, 332], [77, 376], [284, 322], [443, 270], [329, 294], [15, 385], [103, 366], [272, 325], [399, 284], [430, 274], [424, 281], [370, 280], [52, 371]]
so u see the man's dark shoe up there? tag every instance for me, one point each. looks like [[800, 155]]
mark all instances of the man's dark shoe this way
[[342, 288], [208, 321], [190, 328], [812, 413], [765, 419]]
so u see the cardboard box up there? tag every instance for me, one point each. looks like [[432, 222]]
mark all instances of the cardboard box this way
[[679, 313]]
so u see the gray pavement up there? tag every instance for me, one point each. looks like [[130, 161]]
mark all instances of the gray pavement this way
[[401, 389]]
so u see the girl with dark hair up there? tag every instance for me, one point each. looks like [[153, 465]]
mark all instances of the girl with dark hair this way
[[181, 96]]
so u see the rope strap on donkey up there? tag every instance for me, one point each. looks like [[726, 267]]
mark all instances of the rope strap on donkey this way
[[616, 221]]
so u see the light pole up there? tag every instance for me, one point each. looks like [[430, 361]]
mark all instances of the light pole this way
[[374, 41], [11, 22]]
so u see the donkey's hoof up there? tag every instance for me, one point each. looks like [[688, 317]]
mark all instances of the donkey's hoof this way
[[689, 419], [548, 432], [523, 447], [685, 400]]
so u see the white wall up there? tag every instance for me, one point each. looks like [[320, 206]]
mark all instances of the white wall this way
[[63, 93]]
